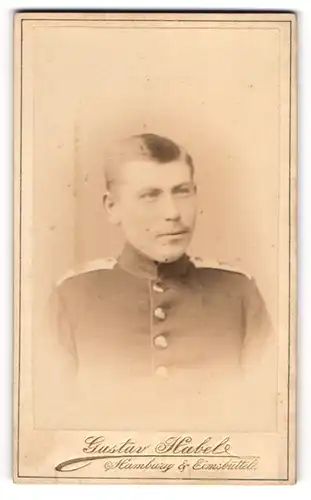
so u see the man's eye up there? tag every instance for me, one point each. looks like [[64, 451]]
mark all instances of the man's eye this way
[[184, 190], [150, 195]]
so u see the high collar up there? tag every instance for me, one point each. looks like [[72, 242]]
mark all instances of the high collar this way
[[136, 263]]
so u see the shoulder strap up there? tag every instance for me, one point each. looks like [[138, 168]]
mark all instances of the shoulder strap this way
[[217, 264], [93, 265]]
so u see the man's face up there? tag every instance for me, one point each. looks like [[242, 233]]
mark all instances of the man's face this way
[[156, 206]]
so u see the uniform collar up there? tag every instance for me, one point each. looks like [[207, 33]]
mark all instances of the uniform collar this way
[[136, 263]]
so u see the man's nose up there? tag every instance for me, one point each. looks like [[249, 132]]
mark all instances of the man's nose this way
[[171, 211]]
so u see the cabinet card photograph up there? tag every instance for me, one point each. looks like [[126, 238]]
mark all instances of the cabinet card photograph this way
[[155, 247]]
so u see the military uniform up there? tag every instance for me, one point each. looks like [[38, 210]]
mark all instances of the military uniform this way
[[139, 343]]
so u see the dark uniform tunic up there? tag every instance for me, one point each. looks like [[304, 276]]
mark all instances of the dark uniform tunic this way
[[159, 346]]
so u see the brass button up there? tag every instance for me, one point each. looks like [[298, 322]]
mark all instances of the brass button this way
[[160, 313], [161, 341], [157, 288], [161, 371]]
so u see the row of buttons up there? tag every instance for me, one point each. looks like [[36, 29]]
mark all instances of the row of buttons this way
[[160, 341]]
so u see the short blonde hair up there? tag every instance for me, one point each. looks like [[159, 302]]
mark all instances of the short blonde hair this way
[[143, 146]]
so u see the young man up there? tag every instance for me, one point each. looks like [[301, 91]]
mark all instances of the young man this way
[[154, 339]]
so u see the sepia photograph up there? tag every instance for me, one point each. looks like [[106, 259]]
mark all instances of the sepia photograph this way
[[155, 251], [178, 333]]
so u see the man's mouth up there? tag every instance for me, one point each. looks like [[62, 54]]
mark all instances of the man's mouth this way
[[175, 233]]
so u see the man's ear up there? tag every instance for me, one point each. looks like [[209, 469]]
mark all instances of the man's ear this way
[[111, 208]]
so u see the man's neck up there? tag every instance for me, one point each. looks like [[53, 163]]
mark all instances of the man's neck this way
[[135, 262]]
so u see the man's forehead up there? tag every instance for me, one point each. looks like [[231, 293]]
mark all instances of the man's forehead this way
[[149, 172]]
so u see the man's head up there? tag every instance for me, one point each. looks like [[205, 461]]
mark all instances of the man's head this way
[[151, 193]]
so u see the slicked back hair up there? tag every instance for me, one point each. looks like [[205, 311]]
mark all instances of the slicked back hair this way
[[143, 146]]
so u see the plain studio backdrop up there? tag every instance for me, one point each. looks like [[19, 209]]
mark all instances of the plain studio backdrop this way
[[214, 91]]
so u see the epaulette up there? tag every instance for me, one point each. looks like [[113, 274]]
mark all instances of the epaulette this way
[[217, 264], [93, 265]]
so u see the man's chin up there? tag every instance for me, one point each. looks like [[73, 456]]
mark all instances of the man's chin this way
[[168, 257]]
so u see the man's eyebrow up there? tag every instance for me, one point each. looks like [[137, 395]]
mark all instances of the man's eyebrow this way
[[149, 189]]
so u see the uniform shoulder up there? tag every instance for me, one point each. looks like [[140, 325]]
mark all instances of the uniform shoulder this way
[[219, 268], [87, 272]]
